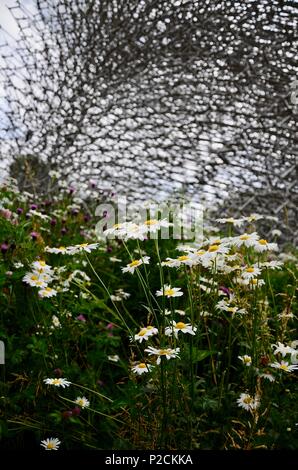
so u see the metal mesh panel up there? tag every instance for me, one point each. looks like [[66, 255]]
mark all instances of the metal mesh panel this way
[[155, 97]]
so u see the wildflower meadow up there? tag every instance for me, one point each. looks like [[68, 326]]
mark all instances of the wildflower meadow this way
[[125, 339]]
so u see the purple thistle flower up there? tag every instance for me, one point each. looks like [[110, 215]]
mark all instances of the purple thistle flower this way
[[225, 290], [67, 414], [81, 318], [34, 235], [4, 248], [76, 411]]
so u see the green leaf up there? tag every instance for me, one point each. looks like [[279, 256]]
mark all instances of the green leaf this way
[[197, 355]]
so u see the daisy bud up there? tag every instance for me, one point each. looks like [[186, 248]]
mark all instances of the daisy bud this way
[[76, 411]]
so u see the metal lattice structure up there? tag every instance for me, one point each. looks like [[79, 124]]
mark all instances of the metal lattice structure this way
[[155, 97]]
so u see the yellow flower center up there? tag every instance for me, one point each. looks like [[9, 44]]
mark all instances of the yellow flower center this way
[[134, 263], [216, 242], [151, 222], [254, 281], [34, 278], [232, 309], [48, 289], [245, 237], [263, 242], [183, 258], [231, 220], [116, 226], [56, 381], [83, 245], [180, 325], [213, 248], [61, 248], [163, 352], [247, 400], [42, 263], [200, 252], [80, 402], [149, 327], [250, 270], [283, 367], [142, 365], [50, 445], [169, 292], [143, 332], [247, 359], [39, 283]]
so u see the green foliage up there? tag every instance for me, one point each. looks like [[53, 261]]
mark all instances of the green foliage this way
[[83, 334]]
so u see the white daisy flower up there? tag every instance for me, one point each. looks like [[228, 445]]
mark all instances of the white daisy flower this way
[[131, 267], [52, 443], [169, 291], [276, 233], [253, 217], [267, 375], [56, 322], [174, 328], [33, 212], [248, 402], [61, 249], [87, 247], [181, 260], [180, 312], [135, 232], [246, 239], [262, 245], [245, 359], [272, 264], [18, 265], [153, 225], [82, 402], [250, 272], [145, 333], [57, 382], [283, 365], [47, 292], [171, 263], [231, 220], [114, 358], [36, 280], [126, 230], [166, 352], [216, 248], [230, 308], [186, 260], [41, 266], [249, 283], [282, 349], [120, 295], [142, 368], [294, 357]]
